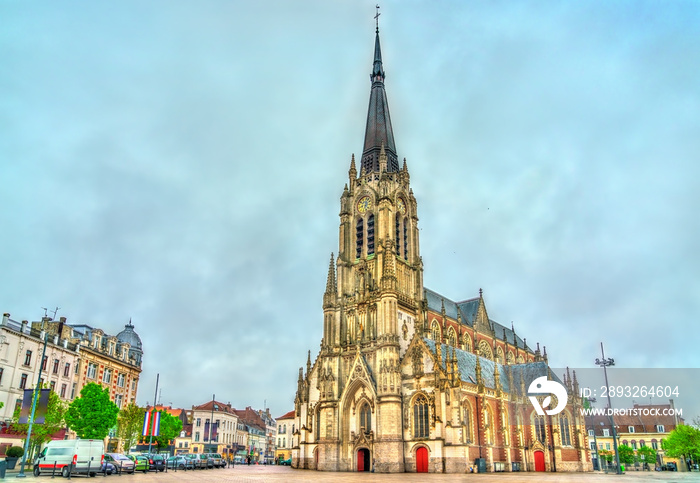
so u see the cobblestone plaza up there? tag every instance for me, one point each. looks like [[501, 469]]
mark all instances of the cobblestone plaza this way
[[286, 474]]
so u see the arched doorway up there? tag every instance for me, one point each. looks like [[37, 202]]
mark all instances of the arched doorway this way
[[422, 460], [539, 461], [363, 462]]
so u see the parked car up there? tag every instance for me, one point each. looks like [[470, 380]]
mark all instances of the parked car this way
[[70, 456], [193, 460], [107, 468], [180, 462], [156, 462], [140, 462], [216, 459], [286, 462], [204, 461], [121, 462]]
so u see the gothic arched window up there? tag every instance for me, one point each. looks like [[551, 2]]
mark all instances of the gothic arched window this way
[[437, 336], [499, 356], [360, 237], [370, 235], [405, 238], [564, 430], [452, 337], [366, 417], [510, 358], [485, 350], [467, 422], [420, 417], [398, 232], [539, 429], [467, 342], [489, 428]]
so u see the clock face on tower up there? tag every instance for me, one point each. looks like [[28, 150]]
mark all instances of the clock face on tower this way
[[364, 204], [401, 205]]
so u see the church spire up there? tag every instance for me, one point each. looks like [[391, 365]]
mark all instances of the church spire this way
[[331, 286], [378, 130]]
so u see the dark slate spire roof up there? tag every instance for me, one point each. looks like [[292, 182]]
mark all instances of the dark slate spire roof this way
[[378, 131]]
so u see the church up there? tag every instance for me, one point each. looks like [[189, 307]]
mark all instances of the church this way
[[407, 380]]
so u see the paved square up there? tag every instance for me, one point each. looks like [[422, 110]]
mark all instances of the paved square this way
[[286, 474]]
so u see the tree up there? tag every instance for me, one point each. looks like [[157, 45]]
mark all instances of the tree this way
[[606, 455], [93, 414], [130, 425], [683, 442], [41, 433], [170, 428], [649, 455], [626, 454]]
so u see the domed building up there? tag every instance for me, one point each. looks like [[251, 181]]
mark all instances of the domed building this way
[[129, 336]]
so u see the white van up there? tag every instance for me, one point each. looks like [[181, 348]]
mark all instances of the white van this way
[[70, 456]]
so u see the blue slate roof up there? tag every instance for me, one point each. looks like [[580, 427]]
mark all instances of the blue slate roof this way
[[466, 361], [468, 309]]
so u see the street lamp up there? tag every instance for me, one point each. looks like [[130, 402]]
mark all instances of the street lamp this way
[[604, 363]]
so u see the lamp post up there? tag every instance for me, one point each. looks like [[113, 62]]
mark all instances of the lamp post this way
[[604, 363], [36, 395]]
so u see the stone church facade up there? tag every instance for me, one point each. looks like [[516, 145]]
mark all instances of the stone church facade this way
[[407, 380]]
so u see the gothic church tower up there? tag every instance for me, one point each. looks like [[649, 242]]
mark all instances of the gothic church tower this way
[[348, 403]]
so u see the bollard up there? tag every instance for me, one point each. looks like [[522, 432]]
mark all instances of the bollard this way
[[70, 470], [53, 470]]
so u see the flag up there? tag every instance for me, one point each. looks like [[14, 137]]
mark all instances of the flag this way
[[151, 423]]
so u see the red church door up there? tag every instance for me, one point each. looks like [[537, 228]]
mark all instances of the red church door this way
[[422, 460], [363, 462], [539, 461]]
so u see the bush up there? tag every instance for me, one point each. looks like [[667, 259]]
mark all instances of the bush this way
[[14, 451]]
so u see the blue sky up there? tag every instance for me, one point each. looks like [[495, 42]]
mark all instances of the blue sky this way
[[181, 163]]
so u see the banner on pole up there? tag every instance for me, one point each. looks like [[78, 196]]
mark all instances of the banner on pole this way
[[42, 406], [151, 423]]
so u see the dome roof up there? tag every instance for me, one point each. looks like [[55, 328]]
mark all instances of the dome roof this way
[[128, 335]]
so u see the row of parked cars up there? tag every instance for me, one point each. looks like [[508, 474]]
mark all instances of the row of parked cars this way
[[131, 463], [87, 457]]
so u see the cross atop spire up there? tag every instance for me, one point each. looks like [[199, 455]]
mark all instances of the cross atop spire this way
[[376, 17], [378, 130]]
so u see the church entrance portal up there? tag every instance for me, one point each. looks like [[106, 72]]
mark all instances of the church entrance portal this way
[[363, 462], [539, 461], [421, 460]]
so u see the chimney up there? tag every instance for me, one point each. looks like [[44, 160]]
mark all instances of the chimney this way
[[23, 329], [5, 318]]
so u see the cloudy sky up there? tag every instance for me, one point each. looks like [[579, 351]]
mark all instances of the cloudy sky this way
[[180, 164]]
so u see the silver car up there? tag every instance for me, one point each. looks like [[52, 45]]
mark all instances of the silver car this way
[[121, 462]]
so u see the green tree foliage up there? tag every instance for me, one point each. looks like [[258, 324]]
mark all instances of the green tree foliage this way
[[683, 442], [649, 454], [130, 425], [41, 433], [626, 454], [170, 428], [606, 455], [92, 415]]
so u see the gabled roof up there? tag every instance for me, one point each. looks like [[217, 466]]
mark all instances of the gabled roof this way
[[250, 417], [216, 406], [289, 415], [467, 310]]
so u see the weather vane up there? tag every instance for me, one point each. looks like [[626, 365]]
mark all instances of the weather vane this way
[[376, 17]]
